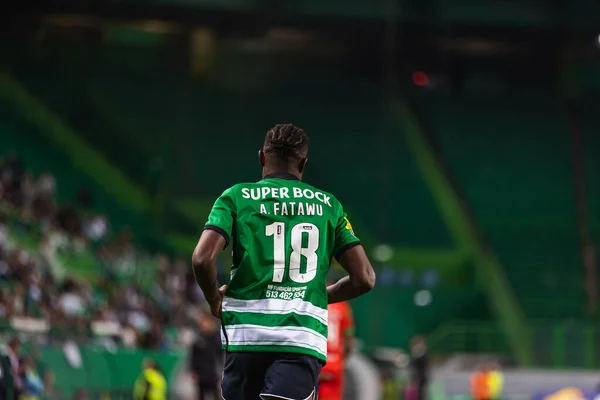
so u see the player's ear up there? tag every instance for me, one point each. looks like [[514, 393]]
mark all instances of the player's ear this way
[[302, 164], [261, 158]]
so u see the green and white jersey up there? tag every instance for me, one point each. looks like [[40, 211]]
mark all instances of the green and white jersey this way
[[284, 235]]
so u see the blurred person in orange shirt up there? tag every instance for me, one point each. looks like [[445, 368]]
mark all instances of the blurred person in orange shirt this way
[[480, 384], [340, 341]]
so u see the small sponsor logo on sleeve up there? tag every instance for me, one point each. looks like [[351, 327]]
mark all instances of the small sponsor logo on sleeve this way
[[349, 226]]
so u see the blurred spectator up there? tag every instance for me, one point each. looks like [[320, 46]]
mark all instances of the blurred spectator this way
[[12, 176], [18, 305], [71, 302], [152, 338], [68, 220], [419, 365], [411, 391], [129, 336], [480, 384], [46, 185], [496, 381], [96, 228], [27, 194], [3, 305], [6, 381], [49, 380], [206, 358], [151, 384], [106, 314], [11, 384], [81, 395], [33, 386], [3, 233]]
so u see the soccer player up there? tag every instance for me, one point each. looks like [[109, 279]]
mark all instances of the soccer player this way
[[284, 234], [339, 345]]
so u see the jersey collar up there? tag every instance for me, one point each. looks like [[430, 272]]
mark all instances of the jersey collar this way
[[290, 177]]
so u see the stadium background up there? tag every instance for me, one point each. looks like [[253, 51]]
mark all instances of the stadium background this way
[[460, 135]]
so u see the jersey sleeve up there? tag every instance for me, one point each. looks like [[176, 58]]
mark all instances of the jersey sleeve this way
[[345, 238], [222, 215]]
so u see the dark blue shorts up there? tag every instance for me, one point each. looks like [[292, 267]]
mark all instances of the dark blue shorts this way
[[256, 375]]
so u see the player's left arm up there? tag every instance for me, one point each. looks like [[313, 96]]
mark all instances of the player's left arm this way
[[213, 240], [352, 257]]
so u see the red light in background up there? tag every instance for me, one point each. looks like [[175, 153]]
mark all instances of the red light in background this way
[[420, 78]]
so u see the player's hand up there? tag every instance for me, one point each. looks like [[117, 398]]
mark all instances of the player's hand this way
[[216, 306], [223, 289]]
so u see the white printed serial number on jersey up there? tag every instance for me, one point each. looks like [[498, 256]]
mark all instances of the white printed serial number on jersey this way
[[285, 292], [284, 295]]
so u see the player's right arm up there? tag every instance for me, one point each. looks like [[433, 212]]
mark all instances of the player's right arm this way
[[351, 255], [204, 263]]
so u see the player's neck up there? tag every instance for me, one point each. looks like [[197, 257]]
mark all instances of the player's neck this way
[[281, 172]]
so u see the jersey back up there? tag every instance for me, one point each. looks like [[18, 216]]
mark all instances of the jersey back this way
[[284, 235]]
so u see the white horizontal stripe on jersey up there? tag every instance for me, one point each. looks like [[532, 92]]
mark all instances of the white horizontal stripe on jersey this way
[[258, 335], [276, 306]]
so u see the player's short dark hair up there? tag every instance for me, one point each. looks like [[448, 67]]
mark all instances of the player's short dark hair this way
[[287, 142]]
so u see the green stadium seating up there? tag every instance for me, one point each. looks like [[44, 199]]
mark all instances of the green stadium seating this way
[[511, 158]]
